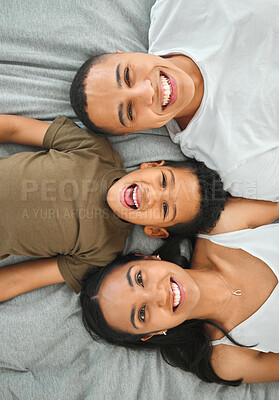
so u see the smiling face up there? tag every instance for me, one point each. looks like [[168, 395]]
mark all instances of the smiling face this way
[[156, 196], [129, 92], [148, 296]]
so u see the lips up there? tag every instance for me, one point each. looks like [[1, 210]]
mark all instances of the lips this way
[[131, 197], [168, 90], [178, 294]]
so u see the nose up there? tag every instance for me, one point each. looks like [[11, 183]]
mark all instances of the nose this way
[[143, 92], [157, 295]]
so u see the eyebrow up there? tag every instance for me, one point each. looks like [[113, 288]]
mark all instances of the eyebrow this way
[[173, 184], [132, 317], [133, 311], [121, 105], [120, 114], [118, 78], [129, 279]]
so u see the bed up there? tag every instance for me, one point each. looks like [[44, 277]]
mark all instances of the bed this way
[[45, 352]]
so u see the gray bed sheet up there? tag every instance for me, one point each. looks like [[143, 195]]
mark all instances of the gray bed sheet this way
[[45, 353]]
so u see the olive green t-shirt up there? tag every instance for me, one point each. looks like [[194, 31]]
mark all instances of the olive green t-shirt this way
[[54, 202]]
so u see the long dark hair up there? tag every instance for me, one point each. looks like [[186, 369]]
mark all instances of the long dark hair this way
[[187, 346]]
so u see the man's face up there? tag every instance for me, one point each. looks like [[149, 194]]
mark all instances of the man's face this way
[[156, 196], [129, 92]]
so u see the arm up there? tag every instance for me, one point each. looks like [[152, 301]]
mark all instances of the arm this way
[[22, 130], [252, 366], [21, 278], [245, 213]]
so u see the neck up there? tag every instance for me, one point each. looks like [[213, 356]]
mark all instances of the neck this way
[[214, 295]]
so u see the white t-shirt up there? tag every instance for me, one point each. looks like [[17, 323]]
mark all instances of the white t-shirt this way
[[261, 328], [236, 46]]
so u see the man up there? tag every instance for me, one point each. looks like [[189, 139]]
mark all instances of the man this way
[[212, 79]]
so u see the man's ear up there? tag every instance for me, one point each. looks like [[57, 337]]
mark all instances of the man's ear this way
[[154, 232], [120, 51], [151, 164]]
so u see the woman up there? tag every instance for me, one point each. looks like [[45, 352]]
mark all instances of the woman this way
[[231, 286]]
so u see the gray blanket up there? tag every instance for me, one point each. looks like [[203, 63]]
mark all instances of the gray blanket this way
[[45, 353]]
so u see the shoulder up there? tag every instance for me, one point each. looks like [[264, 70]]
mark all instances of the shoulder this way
[[242, 214], [233, 217], [62, 122], [232, 362], [64, 135]]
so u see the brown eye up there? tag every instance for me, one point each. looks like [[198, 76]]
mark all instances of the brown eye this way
[[165, 207], [139, 279], [142, 314]]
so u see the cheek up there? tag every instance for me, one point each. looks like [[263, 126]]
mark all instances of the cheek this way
[[136, 217], [150, 217], [147, 119], [162, 319], [154, 216]]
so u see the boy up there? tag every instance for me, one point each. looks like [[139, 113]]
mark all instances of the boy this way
[[74, 202]]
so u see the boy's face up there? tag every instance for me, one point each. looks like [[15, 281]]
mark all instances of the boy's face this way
[[131, 92], [156, 196]]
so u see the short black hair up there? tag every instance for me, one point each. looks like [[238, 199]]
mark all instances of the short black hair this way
[[213, 199], [78, 96]]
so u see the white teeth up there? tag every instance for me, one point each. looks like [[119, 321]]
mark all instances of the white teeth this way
[[135, 197], [176, 294], [167, 90]]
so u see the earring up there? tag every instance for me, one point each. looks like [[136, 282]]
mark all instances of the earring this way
[[157, 256], [146, 338], [165, 333]]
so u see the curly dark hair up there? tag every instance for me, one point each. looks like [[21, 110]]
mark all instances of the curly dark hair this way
[[213, 198]]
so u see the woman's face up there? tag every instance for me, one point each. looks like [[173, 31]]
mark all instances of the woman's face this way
[[148, 296], [131, 92]]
